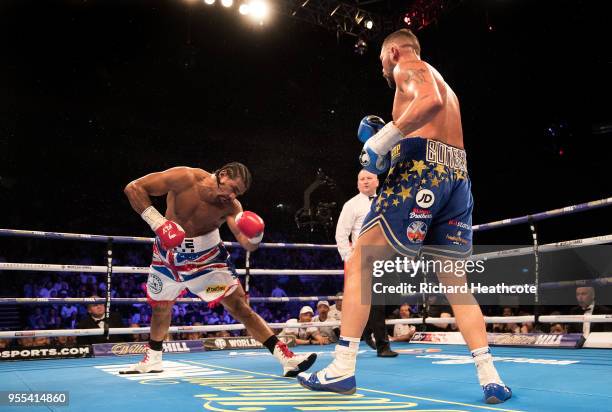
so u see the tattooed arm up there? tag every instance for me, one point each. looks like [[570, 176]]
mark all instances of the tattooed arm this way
[[416, 83]]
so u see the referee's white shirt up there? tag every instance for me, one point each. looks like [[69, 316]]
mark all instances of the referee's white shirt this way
[[350, 221]]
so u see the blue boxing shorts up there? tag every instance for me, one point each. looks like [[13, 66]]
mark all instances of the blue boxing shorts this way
[[426, 201]]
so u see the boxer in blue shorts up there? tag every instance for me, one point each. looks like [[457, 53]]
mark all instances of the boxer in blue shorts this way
[[426, 202], [425, 206]]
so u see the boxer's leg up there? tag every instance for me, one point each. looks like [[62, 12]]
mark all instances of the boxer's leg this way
[[161, 293], [466, 310], [236, 305], [471, 324], [160, 320], [339, 376], [371, 245]]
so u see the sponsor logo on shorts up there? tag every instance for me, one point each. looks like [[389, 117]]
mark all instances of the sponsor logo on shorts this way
[[425, 198], [457, 239], [416, 231], [154, 284], [215, 289], [460, 224], [417, 213], [395, 152]]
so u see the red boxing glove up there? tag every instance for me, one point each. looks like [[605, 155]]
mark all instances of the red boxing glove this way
[[251, 225], [170, 234]]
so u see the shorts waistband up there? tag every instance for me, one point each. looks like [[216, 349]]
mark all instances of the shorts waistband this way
[[199, 243], [432, 151]]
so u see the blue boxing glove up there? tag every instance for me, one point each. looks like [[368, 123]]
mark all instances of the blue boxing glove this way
[[368, 127], [375, 157]]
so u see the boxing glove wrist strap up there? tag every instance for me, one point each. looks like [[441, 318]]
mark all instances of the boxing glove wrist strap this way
[[255, 240], [387, 137], [153, 217]]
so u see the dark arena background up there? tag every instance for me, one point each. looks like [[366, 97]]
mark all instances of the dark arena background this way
[[97, 93]]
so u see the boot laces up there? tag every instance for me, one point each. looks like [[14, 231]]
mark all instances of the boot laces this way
[[285, 350]]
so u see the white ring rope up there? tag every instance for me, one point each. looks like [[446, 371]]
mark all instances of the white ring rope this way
[[550, 247], [144, 300], [215, 328], [46, 267]]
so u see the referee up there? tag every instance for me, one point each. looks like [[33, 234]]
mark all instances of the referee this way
[[349, 224]]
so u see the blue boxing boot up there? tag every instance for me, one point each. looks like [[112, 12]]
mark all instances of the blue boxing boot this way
[[494, 389], [494, 393], [339, 376]]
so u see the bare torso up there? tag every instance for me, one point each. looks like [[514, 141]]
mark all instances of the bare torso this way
[[446, 124], [195, 208]]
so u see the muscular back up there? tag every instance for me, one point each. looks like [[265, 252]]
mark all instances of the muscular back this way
[[191, 199], [191, 208], [418, 85]]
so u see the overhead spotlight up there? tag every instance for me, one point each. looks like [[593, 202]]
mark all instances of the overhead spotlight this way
[[361, 47], [259, 9], [369, 24], [244, 9], [209, 2], [227, 3], [407, 20]]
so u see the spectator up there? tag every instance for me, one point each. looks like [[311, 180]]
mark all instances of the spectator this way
[[335, 310], [68, 310], [507, 311], [44, 291], [72, 322], [95, 319], [558, 328], [194, 335], [403, 333], [278, 292], [139, 337], [305, 336], [54, 321], [64, 341], [323, 316], [585, 296], [36, 318], [40, 341], [213, 319], [142, 317]]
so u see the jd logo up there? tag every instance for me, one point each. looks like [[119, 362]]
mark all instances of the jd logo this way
[[425, 198]]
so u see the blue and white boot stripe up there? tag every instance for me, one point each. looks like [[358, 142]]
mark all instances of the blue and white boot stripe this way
[[319, 381]]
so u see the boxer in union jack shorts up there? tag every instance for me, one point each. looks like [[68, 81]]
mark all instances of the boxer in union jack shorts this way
[[188, 253]]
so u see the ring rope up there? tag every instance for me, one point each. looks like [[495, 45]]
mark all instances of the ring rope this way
[[238, 326], [550, 247], [127, 301], [135, 239]]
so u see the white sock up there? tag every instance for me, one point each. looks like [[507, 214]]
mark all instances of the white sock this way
[[345, 357], [484, 366]]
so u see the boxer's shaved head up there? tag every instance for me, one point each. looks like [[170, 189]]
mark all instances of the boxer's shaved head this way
[[403, 38], [398, 43]]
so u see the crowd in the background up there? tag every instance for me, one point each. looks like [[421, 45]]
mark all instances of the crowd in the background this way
[[69, 315]]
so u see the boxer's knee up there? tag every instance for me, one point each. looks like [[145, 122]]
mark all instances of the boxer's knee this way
[[240, 310], [236, 304], [162, 308]]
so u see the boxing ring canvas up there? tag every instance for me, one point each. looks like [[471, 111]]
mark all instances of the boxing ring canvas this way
[[423, 378]]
